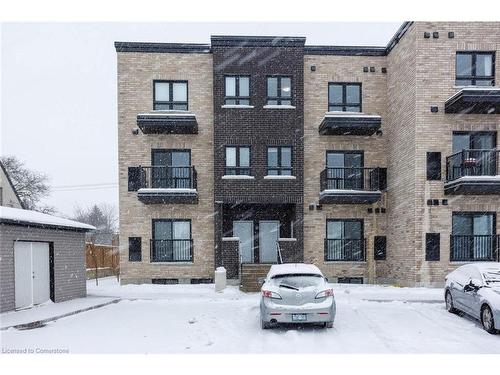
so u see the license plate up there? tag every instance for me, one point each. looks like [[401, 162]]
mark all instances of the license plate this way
[[299, 317]]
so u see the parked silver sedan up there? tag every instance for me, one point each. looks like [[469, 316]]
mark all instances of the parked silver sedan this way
[[475, 290], [296, 293]]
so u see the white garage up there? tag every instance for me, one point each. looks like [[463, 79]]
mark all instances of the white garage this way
[[42, 258]]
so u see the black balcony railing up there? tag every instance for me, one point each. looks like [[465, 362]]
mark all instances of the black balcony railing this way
[[346, 250], [472, 163], [166, 177], [367, 179], [474, 248], [171, 250]]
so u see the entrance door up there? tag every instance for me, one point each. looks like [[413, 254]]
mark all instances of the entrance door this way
[[244, 230], [344, 170], [32, 275], [268, 239]]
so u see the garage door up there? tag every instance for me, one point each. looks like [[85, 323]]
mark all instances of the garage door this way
[[32, 273]]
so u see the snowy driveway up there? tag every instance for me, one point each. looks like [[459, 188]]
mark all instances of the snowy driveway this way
[[194, 319]]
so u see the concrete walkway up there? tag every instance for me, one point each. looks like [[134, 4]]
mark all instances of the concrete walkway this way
[[38, 316]]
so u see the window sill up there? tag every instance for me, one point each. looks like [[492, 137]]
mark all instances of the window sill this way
[[237, 177], [474, 87], [287, 239], [240, 106], [269, 106], [345, 261], [228, 239], [279, 177]]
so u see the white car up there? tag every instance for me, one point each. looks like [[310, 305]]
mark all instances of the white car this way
[[296, 293], [475, 290]]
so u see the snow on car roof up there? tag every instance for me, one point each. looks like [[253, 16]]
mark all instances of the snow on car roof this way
[[290, 268], [486, 266], [23, 217]]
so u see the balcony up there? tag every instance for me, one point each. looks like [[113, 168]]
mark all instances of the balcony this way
[[349, 123], [474, 100], [168, 122], [473, 172], [168, 251], [164, 184], [474, 248], [345, 250], [352, 185]]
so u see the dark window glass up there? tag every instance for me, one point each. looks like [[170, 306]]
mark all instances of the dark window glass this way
[[344, 170], [350, 280], [475, 69], [171, 241], [134, 249], [171, 169], [170, 95], [279, 161], [344, 240], [433, 166], [380, 244], [237, 160], [237, 90], [345, 97], [432, 246], [279, 90]]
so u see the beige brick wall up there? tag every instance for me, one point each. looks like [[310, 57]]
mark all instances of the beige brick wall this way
[[435, 83], [136, 72], [374, 92]]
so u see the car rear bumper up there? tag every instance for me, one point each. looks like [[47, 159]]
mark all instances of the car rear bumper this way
[[271, 312]]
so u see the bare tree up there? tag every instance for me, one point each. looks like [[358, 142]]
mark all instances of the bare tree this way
[[102, 216], [31, 186]]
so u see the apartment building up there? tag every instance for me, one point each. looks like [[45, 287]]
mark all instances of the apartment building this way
[[377, 164]]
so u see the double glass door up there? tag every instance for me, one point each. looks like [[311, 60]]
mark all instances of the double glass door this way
[[171, 169], [268, 240], [344, 170], [473, 236], [478, 153]]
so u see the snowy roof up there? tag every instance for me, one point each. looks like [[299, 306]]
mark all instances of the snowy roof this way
[[350, 114], [291, 268], [26, 217], [474, 88]]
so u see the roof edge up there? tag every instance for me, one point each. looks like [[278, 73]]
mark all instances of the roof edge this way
[[12, 185], [253, 41], [23, 223], [159, 47]]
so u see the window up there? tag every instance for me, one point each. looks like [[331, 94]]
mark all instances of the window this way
[[380, 245], [474, 141], [344, 170], [350, 280], [237, 90], [170, 95], [475, 69], [432, 246], [344, 240], [279, 161], [171, 241], [171, 169], [279, 90], [136, 178], [472, 236], [433, 166], [237, 160], [134, 249], [345, 97]]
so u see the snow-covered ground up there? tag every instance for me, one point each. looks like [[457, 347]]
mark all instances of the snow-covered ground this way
[[195, 319]]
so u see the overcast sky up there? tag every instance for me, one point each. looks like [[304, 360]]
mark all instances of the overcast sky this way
[[59, 92]]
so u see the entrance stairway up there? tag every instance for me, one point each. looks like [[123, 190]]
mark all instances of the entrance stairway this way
[[250, 274]]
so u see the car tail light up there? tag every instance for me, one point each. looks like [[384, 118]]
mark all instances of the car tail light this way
[[269, 294], [325, 293]]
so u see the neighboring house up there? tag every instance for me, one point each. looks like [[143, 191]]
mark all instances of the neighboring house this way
[[377, 164], [8, 194], [43, 258]]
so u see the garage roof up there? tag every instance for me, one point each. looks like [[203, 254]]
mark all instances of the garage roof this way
[[18, 216]]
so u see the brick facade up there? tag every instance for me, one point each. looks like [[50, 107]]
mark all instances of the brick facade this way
[[400, 83]]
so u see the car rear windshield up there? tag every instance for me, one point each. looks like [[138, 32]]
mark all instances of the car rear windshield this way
[[299, 280], [492, 276]]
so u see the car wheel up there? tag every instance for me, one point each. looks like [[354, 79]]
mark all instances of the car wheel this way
[[264, 325], [487, 320], [449, 303], [329, 325]]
